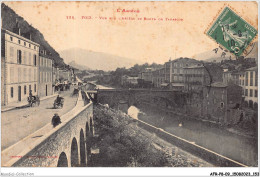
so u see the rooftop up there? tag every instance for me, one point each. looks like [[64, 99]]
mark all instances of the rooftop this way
[[252, 69], [218, 84]]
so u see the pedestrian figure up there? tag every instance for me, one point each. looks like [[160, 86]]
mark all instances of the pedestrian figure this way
[[55, 120]]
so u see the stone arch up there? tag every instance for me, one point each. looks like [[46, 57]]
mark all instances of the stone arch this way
[[251, 104], [63, 161], [83, 162], [88, 143], [74, 158], [246, 104]]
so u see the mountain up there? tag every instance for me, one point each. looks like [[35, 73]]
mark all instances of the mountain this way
[[77, 66], [210, 56], [9, 18], [96, 60]]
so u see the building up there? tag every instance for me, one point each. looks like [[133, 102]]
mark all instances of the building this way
[[65, 75], [147, 75], [199, 75], [222, 102], [248, 81], [231, 77], [20, 66], [159, 78], [174, 71], [45, 74], [129, 81]]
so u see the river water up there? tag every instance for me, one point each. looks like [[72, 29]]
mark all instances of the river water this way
[[240, 148]]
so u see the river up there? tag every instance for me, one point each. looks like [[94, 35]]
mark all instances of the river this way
[[240, 148]]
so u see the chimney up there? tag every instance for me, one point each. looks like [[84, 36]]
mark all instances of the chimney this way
[[16, 28]]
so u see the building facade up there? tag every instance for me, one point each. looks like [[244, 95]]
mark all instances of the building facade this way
[[200, 75], [45, 74], [174, 71], [248, 81], [231, 77], [20, 63], [159, 77], [222, 101]]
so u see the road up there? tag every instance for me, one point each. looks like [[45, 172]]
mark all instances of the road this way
[[19, 123], [239, 148]]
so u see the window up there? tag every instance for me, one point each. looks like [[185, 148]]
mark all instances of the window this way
[[34, 87], [24, 43], [25, 89], [30, 88], [251, 93], [11, 38], [243, 82], [19, 42], [12, 92], [222, 105], [251, 78], [34, 47], [30, 45], [256, 77], [246, 78], [35, 60], [255, 93], [246, 92], [19, 56]]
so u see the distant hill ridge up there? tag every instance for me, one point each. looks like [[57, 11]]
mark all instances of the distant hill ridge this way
[[9, 18], [96, 60]]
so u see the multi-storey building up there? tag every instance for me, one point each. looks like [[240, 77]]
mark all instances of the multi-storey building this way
[[231, 77], [129, 81], [45, 74], [20, 66], [248, 81], [159, 77], [174, 72], [222, 101], [200, 75], [147, 75], [55, 75]]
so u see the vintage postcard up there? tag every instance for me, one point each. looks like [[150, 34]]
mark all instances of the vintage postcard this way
[[130, 84]]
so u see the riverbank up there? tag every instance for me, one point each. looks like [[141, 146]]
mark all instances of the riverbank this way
[[248, 132], [207, 134], [123, 144]]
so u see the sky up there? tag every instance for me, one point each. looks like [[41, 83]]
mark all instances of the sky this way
[[142, 40]]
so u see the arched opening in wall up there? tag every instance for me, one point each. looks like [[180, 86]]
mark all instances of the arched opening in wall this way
[[82, 150], [91, 127], [255, 106], [246, 104], [88, 143], [74, 153], [63, 161], [251, 104]]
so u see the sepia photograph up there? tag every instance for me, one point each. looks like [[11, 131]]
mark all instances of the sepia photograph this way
[[129, 84]]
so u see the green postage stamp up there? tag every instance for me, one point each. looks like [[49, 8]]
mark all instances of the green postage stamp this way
[[232, 32]]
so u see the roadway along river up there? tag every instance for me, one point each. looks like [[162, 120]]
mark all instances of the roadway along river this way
[[239, 148], [19, 123]]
